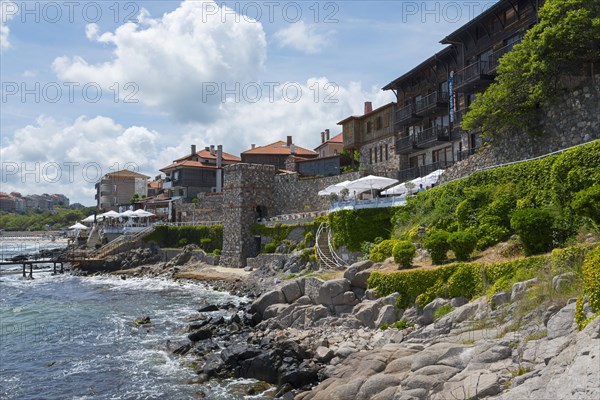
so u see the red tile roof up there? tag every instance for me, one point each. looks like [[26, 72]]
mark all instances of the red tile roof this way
[[280, 148], [188, 163], [155, 184], [208, 156], [126, 173]]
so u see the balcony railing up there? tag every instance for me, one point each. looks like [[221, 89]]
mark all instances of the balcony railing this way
[[411, 173], [478, 71], [497, 55], [405, 113], [430, 101], [404, 145], [431, 136]]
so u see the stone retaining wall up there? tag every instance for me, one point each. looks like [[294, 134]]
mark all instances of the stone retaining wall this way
[[296, 195], [572, 119]]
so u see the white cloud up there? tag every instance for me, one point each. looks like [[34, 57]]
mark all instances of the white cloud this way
[[173, 57], [82, 150], [8, 10], [302, 37]]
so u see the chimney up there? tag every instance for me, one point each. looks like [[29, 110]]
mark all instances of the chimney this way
[[322, 137], [368, 107], [219, 170], [253, 145], [193, 149], [207, 148], [289, 141], [327, 134], [212, 149]]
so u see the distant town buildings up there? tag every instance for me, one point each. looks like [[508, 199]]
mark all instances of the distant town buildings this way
[[117, 188], [15, 202]]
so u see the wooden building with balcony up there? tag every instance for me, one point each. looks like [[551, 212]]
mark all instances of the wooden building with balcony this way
[[422, 121], [479, 45], [372, 134]]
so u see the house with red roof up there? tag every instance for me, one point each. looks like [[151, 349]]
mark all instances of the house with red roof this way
[[330, 146], [197, 172], [276, 153]]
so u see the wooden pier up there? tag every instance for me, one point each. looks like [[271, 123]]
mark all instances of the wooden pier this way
[[29, 263]]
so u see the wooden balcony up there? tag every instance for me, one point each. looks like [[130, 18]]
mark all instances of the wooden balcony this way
[[497, 55], [405, 145], [432, 136], [406, 115], [473, 76], [434, 102]]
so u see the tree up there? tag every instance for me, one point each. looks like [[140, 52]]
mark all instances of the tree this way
[[566, 39]]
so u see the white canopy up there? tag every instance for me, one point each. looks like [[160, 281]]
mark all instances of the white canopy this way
[[427, 180], [143, 213], [129, 214], [78, 227], [88, 219], [337, 188], [111, 214], [371, 183]]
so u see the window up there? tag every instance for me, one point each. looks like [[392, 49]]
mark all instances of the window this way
[[370, 156], [417, 161], [442, 155], [387, 120], [378, 123], [381, 153], [510, 15], [386, 153], [369, 127]]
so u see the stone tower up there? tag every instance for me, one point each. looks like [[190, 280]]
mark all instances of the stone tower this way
[[247, 197]]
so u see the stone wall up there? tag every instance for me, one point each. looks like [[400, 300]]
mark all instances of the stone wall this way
[[209, 208], [572, 119], [295, 195], [248, 193], [373, 162]]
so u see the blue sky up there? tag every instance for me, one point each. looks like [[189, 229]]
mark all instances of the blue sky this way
[[162, 76]]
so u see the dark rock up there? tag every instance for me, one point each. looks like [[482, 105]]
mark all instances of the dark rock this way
[[182, 350], [209, 308], [142, 321], [213, 365], [202, 334]]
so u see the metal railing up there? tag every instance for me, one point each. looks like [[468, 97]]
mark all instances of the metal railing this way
[[404, 113], [121, 240], [404, 143], [333, 258], [432, 134], [431, 100], [497, 55]]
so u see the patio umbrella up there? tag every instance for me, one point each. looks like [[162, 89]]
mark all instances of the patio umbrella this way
[[129, 214], [143, 213], [111, 214], [337, 188], [88, 219], [396, 190], [371, 182], [78, 227]]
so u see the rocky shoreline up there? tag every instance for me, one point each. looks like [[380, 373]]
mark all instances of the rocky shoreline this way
[[312, 339]]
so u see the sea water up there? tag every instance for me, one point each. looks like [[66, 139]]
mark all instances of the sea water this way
[[70, 337]]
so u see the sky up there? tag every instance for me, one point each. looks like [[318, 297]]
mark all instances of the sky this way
[[96, 86]]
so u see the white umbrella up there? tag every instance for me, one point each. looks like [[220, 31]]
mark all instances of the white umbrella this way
[[371, 183], [129, 214], [396, 190], [143, 213], [337, 188], [78, 227], [111, 214], [88, 219]]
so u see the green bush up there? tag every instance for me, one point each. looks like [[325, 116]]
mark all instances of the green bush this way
[[183, 242], [205, 244], [270, 247], [217, 252], [382, 251], [534, 227], [353, 227], [462, 244], [466, 281], [489, 235], [437, 245], [465, 214], [587, 204], [591, 278], [403, 253], [170, 236], [442, 311]]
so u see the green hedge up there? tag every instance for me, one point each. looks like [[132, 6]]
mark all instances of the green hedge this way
[[591, 278], [485, 200], [353, 227], [471, 279], [176, 236], [382, 251]]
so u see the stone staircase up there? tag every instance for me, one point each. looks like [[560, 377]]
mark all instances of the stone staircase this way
[[328, 259], [122, 243]]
